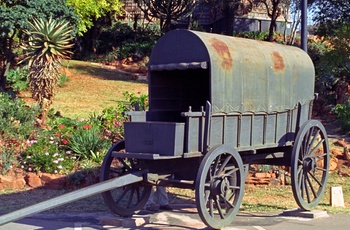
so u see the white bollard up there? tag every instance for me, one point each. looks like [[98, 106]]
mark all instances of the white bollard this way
[[337, 197]]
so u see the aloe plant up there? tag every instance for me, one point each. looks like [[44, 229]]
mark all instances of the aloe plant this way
[[48, 44]]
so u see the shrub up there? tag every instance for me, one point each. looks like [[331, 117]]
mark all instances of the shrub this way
[[257, 35], [18, 79], [87, 142], [343, 114], [112, 120], [47, 153], [7, 159], [137, 102], [63, 79], [17, 120]]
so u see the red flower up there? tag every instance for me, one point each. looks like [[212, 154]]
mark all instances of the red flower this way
[[87, 126], [61, 127], [64, 141], [57, 134]]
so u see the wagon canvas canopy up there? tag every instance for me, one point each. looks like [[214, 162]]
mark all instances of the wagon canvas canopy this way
[[236, 75]]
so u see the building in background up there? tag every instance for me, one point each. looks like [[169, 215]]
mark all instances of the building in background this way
[[208, 15]]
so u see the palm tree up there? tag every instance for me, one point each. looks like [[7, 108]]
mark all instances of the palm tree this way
[[48, 44]]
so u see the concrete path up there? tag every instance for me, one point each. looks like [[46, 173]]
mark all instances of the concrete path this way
[[183, 217]]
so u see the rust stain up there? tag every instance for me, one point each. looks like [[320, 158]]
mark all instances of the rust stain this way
[[278, 61], [223, 52]]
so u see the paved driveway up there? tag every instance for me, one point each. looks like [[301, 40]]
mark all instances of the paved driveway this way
[[183, 217]]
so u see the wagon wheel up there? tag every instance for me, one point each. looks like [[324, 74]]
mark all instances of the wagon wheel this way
[[220, 186], [126, 200], [310, 164]]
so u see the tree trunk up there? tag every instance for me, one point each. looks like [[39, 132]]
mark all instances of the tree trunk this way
[[274, 16]]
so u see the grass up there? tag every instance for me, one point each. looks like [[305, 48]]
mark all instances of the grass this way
[[91, 88], [280, 198]]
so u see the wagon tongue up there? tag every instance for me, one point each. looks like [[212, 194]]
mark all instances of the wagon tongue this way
[[73, 196]]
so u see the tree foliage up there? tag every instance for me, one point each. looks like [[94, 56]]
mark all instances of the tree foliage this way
[[333, 69], [91, 10], [330, 15], [14, 16], [167, 11]]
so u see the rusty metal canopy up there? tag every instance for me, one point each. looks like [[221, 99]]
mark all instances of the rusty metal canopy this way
[[245, 75]]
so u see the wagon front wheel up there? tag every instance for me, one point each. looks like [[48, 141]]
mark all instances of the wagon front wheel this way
[[220, 186], [127, 200], [310, 164]]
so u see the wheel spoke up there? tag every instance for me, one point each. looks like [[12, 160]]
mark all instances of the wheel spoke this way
[[305, 144], [214, 167], [227, 201], [299, 173], [231, 172], [217, 203], [316, 147], [125, 191], [322, 155], [300, 183], [311, 186], [314, 138], [234, 187], [211, 207], [316, 179], [306, 189], [206, 196], [321, 169], [130, 197], [138, 195], [223, 165], [126, 167], [233, 194]]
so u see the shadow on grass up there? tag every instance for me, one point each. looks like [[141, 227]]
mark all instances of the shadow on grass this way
[[97, 71]]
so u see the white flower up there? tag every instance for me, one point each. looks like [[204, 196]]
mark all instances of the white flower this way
[[60, 166], [55, 161], [46, 154]]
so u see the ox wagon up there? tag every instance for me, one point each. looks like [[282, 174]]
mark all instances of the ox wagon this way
[[218, 104]]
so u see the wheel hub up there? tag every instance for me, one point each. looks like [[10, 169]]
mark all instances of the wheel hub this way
[[219, 186], [309, 164]]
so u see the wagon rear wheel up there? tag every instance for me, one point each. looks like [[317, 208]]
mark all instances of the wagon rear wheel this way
[[310, 164], [220, 186], [126, 200]]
